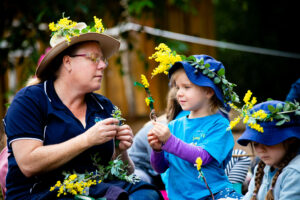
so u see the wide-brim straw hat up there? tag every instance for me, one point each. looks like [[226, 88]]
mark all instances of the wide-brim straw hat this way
[[108, 45]]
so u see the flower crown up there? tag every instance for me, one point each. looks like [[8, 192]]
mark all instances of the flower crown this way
[[166, 58], [65, 28], [280, 113]]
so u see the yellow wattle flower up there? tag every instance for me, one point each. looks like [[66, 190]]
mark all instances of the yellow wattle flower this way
[[144, 81], [147, 100], [98, 25], [247, 96], [199, 163]]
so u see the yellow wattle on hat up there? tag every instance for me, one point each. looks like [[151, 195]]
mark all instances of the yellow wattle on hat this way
[[67, 33]]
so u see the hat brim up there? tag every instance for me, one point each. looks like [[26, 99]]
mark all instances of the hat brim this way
[[108, 45], [271, 135]]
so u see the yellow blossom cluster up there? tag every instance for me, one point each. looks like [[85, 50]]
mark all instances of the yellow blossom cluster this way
[[260, 114], [256, 127], [73, 186], [245, 114], [234, 122], [98, 25], [165, 57], [144, 81], [63, 24], [199, 163], [147, 100]]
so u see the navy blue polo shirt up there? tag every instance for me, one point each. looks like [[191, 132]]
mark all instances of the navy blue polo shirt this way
[[37, 113]]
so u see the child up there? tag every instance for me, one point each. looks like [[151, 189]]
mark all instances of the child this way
[[202, 133], [277, 176]]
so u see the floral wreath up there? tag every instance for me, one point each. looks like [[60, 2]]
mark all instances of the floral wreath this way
[[280, 113], [166, 58], [67, 28]]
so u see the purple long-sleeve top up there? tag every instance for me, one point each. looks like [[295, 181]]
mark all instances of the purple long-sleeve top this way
[[181, 149]]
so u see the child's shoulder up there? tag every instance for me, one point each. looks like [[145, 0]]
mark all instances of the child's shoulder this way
[[294, 164]]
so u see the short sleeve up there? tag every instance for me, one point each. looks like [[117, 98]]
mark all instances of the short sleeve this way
[[24, 118], [217, 140]]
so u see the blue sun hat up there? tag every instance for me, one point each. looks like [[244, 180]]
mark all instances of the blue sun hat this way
[[274, 132], [198, 78]]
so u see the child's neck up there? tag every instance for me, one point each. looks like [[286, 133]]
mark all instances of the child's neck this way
[[200, 113]]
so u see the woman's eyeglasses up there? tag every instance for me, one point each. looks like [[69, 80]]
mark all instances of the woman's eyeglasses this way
[[95, 58]]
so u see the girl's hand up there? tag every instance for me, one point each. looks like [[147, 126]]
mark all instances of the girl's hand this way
[[161, 131], [125, 136], [102, 132], [154, 143]]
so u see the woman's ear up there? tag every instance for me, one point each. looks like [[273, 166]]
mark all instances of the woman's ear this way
[[67, 63]]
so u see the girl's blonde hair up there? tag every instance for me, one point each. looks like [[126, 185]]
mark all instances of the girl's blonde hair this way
[[292, 151]]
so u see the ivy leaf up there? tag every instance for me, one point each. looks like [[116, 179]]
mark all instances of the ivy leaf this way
[[221, 72]]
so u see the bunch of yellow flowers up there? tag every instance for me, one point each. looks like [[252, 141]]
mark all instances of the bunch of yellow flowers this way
[[249, 118], [165, 57], [73, 184]]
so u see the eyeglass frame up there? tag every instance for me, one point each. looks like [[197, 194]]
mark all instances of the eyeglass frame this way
[[95, 60]]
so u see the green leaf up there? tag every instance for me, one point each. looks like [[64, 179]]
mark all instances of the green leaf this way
[[279, 107], [93, 29], [207, 65], [280, 122], [201, 62], [217, 80], [85, 30], [211, 75], [221, 72], [224, 81], [271, 108], [205, 71], [297, 112], [269, 99], [138, 84], [191, 58], [202, 67], [286, 107]]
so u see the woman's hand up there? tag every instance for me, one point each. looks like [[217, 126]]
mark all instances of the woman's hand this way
[[125, 137], [102, 131], [161, 131], [154, 143]]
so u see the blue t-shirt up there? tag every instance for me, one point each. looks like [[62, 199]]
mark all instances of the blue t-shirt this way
[[37, 113], [209, 133]]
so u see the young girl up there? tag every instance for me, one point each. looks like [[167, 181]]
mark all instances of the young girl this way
[[202, 133], [277, 176]]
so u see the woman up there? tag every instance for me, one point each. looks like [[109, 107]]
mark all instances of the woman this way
[[51, 125]]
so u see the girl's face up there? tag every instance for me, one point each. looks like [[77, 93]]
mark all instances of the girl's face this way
[[270, 155], [190, 96]]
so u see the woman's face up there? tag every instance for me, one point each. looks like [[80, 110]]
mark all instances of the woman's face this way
[[87, 67], [270, 155]]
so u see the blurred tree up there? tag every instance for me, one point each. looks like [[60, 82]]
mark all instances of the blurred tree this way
[[266, 24]]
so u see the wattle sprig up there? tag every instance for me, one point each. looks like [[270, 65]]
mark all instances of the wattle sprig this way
[[149, 100], [280, 113], [201, 175], [165, 57]]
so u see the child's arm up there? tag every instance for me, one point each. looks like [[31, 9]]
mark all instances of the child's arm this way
[[186, 151], [178, 147], [158, 161]]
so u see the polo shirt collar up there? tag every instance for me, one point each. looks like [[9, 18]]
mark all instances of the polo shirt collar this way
[[56, 102]]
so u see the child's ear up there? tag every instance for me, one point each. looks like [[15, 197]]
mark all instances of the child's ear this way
[[210, 92]]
